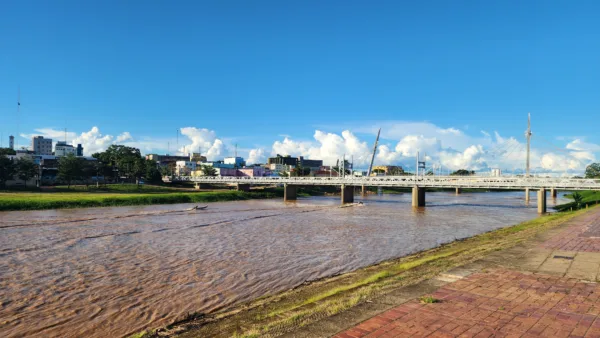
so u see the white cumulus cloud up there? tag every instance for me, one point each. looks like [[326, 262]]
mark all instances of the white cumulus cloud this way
[[256, 156]]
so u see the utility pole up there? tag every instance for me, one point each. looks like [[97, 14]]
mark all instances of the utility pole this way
[[417, 166], [528, 135]]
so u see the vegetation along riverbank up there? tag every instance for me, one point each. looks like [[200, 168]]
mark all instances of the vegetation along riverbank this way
[[274, 315], [120, 195], [581, 199]]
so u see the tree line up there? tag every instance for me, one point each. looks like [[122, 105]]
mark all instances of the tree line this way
[[116, 163]]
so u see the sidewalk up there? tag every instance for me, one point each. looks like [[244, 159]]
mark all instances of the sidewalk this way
[[542, 288]]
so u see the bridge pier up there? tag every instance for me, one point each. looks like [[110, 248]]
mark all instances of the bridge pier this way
[[290, 192], [458, 191], [418, 196], [347, 194], [363, 190], [198, 186], [541, 201], [553, 193], [527, 195], [242, 187]]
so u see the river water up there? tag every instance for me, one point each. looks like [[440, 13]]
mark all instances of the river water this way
[[110, 272]]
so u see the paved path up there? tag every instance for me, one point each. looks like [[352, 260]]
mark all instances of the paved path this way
[[544, 290]]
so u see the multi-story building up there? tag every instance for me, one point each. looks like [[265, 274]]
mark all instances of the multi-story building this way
[[79, 150], [41, 145], [11, 142], [63, 149], [387, 170], [166, 158], [237, 162], [185, 168], [288, 161], [284, 160], [251, 172]]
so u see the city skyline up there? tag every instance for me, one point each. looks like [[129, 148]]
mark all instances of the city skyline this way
[[271, 77]]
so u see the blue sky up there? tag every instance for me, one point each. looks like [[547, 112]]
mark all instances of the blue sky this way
[[254, 70]]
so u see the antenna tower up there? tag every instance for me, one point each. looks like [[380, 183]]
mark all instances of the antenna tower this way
[[18, 112], [528, 136]]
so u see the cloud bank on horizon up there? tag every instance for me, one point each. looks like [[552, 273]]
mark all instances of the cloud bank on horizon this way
[[448, 148]]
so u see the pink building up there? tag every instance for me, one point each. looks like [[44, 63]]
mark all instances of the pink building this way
[[251, 172]]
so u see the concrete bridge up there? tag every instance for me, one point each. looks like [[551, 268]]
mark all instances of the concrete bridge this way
[[419, 184]]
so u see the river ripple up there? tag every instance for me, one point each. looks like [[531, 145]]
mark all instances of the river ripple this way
[[115, 271]]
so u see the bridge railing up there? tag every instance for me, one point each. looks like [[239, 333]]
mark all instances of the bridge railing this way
[[404, 181]]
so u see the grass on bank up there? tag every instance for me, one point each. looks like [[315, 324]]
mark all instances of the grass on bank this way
[[274, 315], [589, 198], [59, 200]]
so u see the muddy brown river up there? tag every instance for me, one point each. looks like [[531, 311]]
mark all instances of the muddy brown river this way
[[111, 272]]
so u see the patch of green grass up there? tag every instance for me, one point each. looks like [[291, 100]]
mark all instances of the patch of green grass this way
[[142, 334], [429, 300], [589, 198], [38, 201]]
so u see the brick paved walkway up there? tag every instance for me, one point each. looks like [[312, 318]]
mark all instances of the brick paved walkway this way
[[582, 236], [501, 303]]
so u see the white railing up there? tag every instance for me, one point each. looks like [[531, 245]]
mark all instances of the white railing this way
[[409, 181]]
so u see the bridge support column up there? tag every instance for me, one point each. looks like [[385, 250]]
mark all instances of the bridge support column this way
[[418, 197], [242, 187], [347, 194], [541, 200], [290, 192], [527, 195], [198, 186], [458, 191], [553, 193], [363, 191]]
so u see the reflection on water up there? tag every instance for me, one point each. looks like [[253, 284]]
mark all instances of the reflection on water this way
[[114, 271]]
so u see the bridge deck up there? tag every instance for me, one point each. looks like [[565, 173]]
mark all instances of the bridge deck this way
[[411, 181]]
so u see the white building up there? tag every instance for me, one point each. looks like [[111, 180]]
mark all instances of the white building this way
[[63, 149], [496, 172], [41, 145], [185, 168]]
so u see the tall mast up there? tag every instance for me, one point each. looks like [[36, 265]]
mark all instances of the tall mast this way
[[18, 112], [528, 135], [373, 156]]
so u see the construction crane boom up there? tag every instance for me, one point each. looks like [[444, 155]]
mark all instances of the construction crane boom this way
[[373, 156]]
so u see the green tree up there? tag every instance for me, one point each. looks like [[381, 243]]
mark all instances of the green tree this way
[[578, 198], [89, 169], [463, 172], [124, 159], [70, 168], [592, 171], [25, 169], [139, 169], [152, 174], [300, 171], [7, 151], [208, 170], [7, 170]]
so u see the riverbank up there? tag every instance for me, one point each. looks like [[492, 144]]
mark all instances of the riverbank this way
[[588, 198], [121, 196], [285, 312]]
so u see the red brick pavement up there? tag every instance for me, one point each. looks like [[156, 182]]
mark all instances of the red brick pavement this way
[[583, 235], [501, 303]]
